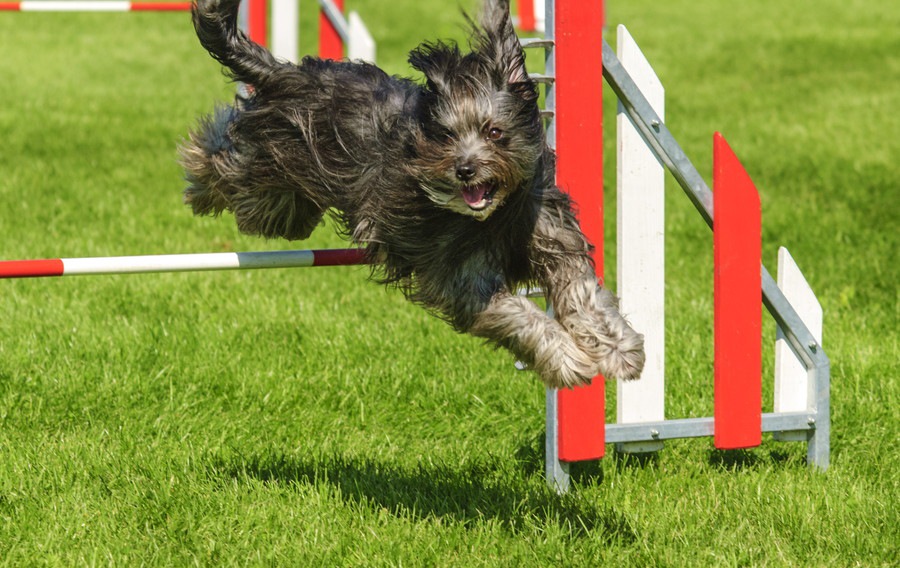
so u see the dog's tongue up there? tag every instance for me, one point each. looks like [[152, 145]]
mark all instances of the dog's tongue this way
[[474, 194]]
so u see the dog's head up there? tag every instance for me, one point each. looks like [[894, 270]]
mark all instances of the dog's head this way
[[480, 135]]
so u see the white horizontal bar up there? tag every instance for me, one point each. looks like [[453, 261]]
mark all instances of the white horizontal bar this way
[[80, 6], [187, 262]]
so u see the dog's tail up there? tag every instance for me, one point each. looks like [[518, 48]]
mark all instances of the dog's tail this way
[[216, 24]]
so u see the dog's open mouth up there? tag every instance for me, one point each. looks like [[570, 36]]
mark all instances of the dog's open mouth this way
[[479, 196]]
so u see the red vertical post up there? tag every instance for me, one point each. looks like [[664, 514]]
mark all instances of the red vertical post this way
[[737, 256], [256, 21], [330, 44], [578, 31], [526, 15]]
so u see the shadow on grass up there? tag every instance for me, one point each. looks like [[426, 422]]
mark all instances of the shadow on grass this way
[[755, 458], [531, 457], [492, 491]]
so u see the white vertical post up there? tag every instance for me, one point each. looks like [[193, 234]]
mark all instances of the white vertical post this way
[[360, 45], [540, 14], [641, 253], [244, 25], [243, 16], [791, 376], [285, 19]]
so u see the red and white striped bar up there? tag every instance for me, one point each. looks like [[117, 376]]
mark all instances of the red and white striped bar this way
[[179, 263], [93, 6]]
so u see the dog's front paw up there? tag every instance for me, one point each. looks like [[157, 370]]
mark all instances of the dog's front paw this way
[[617, 355], [601, 331], [623, 358], [566, 367]]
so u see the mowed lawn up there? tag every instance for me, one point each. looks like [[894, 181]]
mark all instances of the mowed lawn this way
[[309, 417]]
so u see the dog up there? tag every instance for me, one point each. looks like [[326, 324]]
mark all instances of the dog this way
[[447, 184]]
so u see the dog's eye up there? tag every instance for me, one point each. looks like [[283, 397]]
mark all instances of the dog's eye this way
[[494, 134]]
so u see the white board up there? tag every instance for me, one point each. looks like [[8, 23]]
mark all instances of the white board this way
[[641, 247], [285, 19], [791, 377], [361, 46]]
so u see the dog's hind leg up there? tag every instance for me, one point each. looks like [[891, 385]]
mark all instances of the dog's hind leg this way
[[249, 184], [208, 159], [275, 213]]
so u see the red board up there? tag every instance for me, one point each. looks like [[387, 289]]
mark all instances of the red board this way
[[256, 21], [526, 15], [330, 45], [737, 259], [579, 171]]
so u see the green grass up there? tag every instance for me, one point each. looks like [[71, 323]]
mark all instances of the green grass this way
[[310, 418]]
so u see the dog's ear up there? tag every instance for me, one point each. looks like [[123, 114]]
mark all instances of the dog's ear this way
[[436, 61], [500, 45]]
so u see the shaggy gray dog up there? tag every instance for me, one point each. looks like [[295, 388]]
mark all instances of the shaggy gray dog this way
[[449, 185]]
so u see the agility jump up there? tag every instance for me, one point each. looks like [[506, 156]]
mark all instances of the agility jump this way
[[576, 428], [577, 62]]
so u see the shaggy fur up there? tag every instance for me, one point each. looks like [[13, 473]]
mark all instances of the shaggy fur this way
[[449, 185]]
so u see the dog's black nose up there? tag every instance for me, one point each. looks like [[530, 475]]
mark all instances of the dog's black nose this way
[[465, 172]]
